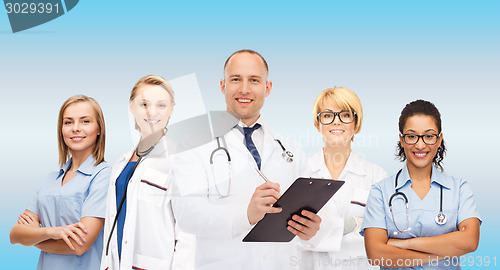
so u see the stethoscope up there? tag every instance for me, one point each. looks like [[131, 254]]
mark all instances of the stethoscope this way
[[286, 155], [440, 218], [141, 153]]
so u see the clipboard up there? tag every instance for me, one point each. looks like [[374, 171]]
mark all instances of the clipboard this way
[[304, 194]]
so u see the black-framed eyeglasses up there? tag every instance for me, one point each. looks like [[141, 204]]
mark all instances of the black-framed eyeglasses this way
[[327, 117], [428, 139]]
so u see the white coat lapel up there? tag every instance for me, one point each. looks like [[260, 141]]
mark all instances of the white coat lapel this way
[[120, 165], [318, 166], [269, 147], [235, 143]]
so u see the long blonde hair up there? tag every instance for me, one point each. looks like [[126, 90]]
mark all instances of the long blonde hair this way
[[99, 146]]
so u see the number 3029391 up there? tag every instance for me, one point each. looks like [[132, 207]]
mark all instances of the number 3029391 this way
[[486, 261], [31, 8]]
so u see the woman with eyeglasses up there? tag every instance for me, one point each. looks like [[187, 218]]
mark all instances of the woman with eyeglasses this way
[[420, 218], [338, 115]]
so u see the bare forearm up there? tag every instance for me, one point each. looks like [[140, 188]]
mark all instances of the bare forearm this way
[[60, 247], [93, 227], [380, 252], [452, 244], [393, 257], [28, 235]]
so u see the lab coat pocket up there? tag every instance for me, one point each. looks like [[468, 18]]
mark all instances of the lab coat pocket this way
[[153, 186], [150, 263], [358, 202]]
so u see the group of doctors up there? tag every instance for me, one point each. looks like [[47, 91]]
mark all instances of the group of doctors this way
[[191, 210]]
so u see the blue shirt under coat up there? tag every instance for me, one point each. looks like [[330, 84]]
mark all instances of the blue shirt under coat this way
[[121, 186]]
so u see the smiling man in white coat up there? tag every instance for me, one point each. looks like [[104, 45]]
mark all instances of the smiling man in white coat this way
[[220, 193]]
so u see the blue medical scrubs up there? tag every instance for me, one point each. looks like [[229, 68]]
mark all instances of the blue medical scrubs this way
[[458, 205], [83, 196]]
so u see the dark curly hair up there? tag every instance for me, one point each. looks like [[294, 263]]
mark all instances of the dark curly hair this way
[[421, 107]]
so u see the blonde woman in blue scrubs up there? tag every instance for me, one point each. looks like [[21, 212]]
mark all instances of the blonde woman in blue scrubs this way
[[338, 115], [433, 219], [66, 216]]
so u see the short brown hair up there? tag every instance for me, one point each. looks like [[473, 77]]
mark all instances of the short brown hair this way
[[99, 146]]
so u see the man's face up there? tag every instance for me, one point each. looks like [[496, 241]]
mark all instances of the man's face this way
[[245, 86]]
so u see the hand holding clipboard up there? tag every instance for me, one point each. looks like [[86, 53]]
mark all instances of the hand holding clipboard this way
[[262, 200], [308, 194]]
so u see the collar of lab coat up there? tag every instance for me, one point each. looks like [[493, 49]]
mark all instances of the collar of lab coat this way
[[241, 125], [159, 149], [353, 165], [269, 143], [268, 133]]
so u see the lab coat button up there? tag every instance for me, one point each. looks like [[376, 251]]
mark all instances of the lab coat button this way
[[264, 257], [125, 242]]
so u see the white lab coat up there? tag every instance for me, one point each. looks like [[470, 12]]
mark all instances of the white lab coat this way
[[220, 224], [149, 232], [335, 250]]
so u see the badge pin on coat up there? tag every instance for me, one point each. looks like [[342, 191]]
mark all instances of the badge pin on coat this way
[[25, 14]]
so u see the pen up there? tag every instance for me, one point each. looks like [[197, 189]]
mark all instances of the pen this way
[[262, 175]]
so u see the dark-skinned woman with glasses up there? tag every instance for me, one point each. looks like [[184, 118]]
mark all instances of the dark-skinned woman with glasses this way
[[420, 218], [338, 115]]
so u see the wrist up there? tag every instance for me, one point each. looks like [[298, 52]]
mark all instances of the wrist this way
[[48, 232], [410, 243]]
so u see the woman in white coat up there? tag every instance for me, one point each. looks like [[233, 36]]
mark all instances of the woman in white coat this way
[[338, 116], [139, 232]]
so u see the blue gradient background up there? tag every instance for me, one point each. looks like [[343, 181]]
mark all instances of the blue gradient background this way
[[388, 52]]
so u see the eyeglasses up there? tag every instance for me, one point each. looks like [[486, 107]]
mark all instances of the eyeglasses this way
[[327, 117], [428, 139]]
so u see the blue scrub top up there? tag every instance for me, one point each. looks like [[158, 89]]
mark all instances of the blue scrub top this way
[[83, 196], [458, 205]]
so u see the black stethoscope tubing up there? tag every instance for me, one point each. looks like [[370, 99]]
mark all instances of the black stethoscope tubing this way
[[140, 153], [121, 205], [219, 147], [287, 156]]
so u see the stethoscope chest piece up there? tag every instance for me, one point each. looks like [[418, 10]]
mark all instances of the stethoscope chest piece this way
[[287, 156], [440, 218]]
